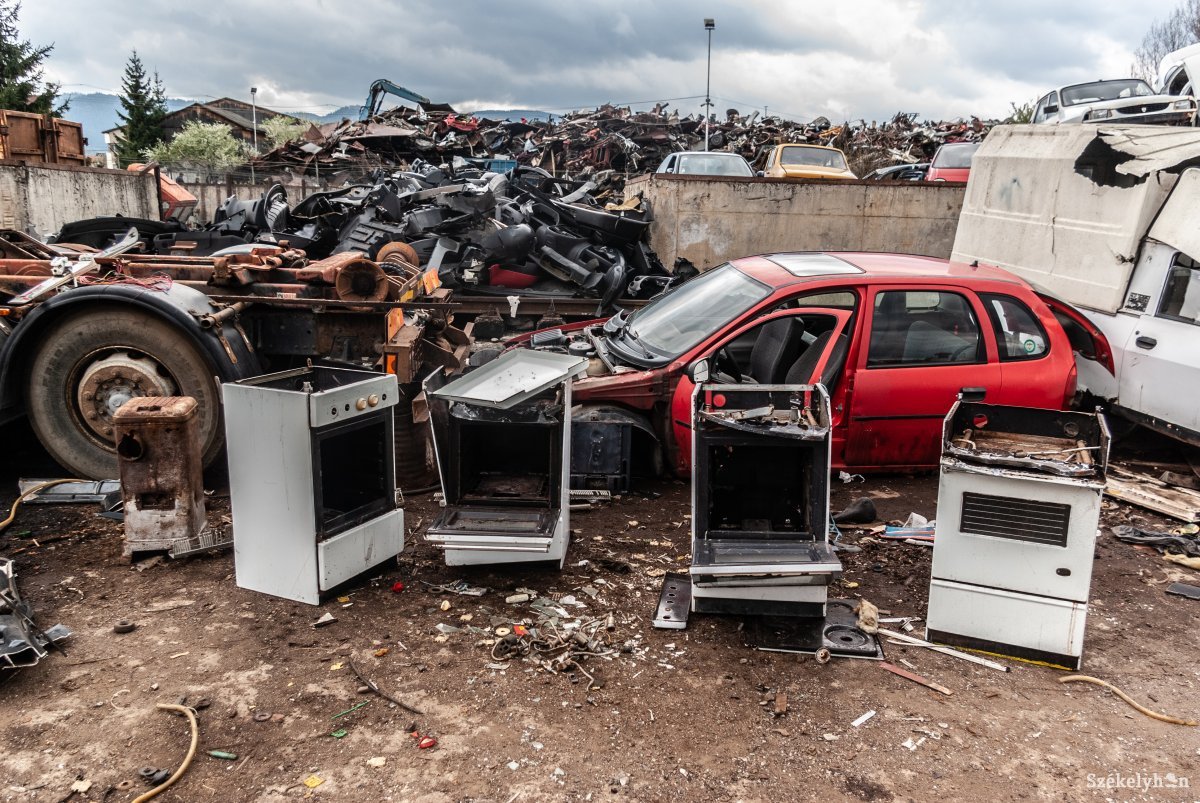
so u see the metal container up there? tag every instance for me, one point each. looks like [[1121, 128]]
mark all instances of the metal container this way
[[159, 458]]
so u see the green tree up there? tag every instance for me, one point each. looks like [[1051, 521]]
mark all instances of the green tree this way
[[21, 86], [283, 129], [1178, 29], [1020, 114], [143, 109], [204, 147]]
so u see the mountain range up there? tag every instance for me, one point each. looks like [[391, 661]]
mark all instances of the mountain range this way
[[98, 111]]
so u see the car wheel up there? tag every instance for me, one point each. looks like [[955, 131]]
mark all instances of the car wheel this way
[[90, 363]]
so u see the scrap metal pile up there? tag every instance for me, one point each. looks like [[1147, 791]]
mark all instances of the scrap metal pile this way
[[606, 145], [518, 233]]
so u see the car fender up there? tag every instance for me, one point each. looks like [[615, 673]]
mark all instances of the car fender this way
[[224, 346], [597, 413]]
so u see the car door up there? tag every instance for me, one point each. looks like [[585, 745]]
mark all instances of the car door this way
[[681, 400], [1160, 368], [922, 346]]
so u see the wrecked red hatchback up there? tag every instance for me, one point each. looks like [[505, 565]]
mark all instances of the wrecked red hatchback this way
[[894, 338]]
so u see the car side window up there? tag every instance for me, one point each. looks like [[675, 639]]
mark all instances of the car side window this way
[[923, 327], [1018, 333], [1039, 113], [1181, 297]]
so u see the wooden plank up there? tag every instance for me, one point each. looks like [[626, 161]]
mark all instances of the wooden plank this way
[[915, 678], [1153, 494]]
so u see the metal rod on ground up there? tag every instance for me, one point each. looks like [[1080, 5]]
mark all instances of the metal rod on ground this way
[[373, 686], [916, 642]]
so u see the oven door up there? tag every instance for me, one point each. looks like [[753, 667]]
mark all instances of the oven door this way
[[353, 472]]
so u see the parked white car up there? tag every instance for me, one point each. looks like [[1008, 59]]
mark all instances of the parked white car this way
[[1121, 101], [706, 163]]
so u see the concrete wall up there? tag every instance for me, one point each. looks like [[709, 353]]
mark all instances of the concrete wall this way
[[711, 220], [210, 195], [47, 196]]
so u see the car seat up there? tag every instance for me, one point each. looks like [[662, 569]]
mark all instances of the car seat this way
[[775, 349]]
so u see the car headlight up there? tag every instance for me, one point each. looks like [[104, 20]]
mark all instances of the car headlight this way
[[1181, 104], [1100, 114]]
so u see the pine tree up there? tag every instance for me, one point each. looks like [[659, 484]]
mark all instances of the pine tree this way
[[21, 69], [143, 108]]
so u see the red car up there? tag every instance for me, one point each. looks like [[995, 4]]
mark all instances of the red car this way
[[894, 338], [952, 162]]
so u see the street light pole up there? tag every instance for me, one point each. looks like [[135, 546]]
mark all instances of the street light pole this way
[[709, 24], [253, 128]]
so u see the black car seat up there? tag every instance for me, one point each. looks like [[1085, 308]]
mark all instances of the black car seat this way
[[801, 371], [776, 348], [889, 329]]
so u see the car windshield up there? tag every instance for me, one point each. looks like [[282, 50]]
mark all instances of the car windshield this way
[[955, 156], [713, 164], [675, 322], [812, 157], [1105, 90]]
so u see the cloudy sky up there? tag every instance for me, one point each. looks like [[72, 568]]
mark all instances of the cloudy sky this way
[[845, 60]]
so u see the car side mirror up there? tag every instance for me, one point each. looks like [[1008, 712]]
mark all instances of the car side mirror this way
[[1051, 110], [698, 371], [670, 170], [760, 174]]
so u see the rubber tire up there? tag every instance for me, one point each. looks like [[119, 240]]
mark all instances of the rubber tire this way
[[69, 341]]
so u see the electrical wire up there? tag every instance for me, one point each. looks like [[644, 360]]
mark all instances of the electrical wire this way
[[187, 760], [12, 514], [1138, 707]]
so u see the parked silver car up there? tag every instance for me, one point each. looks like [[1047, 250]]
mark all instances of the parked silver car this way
[[1120, 101], [706, 163]]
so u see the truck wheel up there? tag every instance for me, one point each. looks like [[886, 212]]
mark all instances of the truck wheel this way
[[90, 363]]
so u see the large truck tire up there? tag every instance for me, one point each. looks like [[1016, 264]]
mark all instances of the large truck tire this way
[[91, 362]]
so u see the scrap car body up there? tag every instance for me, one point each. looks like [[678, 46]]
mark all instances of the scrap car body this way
[[894, 338]]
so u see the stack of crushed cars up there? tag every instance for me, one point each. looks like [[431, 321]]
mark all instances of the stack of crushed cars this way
[[606, 145], [523, 232]]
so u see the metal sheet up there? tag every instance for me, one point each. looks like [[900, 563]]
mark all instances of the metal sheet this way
[[1176, 222], [674, 603], [512, 378]]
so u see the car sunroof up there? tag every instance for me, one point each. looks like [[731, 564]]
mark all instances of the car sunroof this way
[[812, 264]]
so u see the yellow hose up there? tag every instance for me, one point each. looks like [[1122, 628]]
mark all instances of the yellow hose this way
[[187, 760], [12, 514], [1140, 708]]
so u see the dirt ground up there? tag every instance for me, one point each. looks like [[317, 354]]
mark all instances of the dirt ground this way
[[687, 715]]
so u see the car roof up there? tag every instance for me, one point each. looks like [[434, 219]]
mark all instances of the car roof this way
[[710, 153], [808, 145], [783, 269]]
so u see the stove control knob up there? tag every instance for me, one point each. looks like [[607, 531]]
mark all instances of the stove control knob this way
[[361, 404], [372, 400]]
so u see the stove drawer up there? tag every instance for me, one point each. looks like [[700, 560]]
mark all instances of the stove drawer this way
[[504, 529], [354, 551]]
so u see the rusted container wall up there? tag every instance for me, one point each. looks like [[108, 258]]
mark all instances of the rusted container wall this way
[[710, 220], [38, 138], [44, 196]]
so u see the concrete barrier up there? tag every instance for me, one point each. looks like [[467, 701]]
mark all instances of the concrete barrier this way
[[45, 197], [709, 220]]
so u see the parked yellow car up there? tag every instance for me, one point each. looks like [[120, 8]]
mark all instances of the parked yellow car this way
[[807, 161]]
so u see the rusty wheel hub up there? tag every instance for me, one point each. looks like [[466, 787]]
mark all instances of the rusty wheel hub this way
[[110, 382]]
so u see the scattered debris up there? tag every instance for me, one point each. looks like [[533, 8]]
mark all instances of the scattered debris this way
[[1184, 590], [326, 619], [913, 641], [124, 626], [1152, 493], [1186, 544], [22, 642], [858, 723], [224, 755], [915, 678], [1140, 708], [860, 511]]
